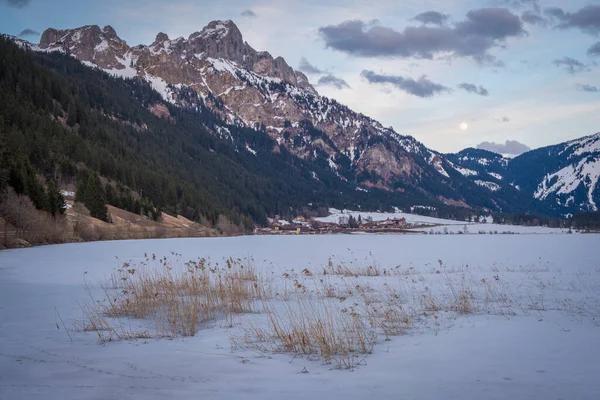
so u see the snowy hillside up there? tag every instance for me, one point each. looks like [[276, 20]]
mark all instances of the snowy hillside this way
[[581, 175], [564, 176]]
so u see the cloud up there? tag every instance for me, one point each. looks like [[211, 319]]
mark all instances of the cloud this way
[[533, 18], [326, 80], [588, 88], [534, 4], [483, 30], [29, 32], [16, 3], [248, 13], [307, 67], [421, 87], [587, 19], [472, 88], [330, 80], [555, 12], [511, 147], [570, 64], [594, 50], [432, 17]]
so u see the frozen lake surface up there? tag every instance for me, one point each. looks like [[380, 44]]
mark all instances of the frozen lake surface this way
[[547, 349]]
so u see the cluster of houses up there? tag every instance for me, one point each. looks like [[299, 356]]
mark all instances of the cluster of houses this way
[[302, 225]]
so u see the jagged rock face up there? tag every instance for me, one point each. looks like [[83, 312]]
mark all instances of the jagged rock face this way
[[251, 88], [222, 39], [385, 163], [89, 43]]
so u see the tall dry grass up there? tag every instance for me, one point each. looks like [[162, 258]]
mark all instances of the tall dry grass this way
[[313, 327], [177, 297], [336, 314]]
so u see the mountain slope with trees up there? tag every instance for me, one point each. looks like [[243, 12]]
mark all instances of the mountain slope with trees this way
[[121, 143], [565, 177], [215, 70], [59, 117]]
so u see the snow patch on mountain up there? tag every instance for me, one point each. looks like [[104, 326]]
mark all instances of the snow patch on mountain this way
[[588, 144], [127, 71], [101, 47], [219, 31], [161, 87], [436, 162], [466, 171], [494, 187]]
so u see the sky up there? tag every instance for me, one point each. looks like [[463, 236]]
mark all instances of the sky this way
[[506, 75]]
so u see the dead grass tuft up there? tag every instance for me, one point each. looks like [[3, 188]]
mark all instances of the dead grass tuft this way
[[176, 297], [314, 327], [356, 271]]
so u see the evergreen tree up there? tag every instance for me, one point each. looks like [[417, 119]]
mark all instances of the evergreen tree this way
[[91, 193], [55, 199]]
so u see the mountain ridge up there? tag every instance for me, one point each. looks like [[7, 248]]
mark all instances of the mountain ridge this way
[[214, 69], [564, 176], [253, 89]]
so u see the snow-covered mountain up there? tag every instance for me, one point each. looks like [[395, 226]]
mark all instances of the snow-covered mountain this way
[[252, 88], [216, 69], [485, 168], [563, 176]]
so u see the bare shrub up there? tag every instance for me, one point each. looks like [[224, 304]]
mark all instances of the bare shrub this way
[[227, 227], [205, 222], [80, 208], [32, 225], [85, 230]]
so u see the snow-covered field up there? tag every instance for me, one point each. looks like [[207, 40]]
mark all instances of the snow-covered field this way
[[532, 334], [336, 214], [442, 226]]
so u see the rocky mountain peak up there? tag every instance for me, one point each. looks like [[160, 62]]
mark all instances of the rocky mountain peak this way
[[222, 39], [109, 32], [252, 88], [101, 47], [160, 38], [218, 30]]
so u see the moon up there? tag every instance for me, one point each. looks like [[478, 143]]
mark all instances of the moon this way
[[464, 126]]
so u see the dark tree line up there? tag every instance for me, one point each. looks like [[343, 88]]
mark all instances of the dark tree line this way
[[586, 220], [18, 173]]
